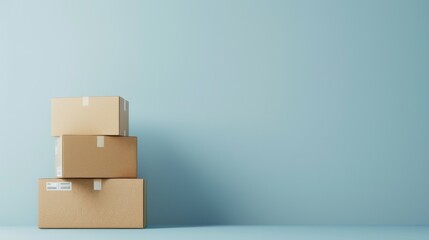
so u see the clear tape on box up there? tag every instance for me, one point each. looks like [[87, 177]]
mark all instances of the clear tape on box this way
[[100, 141], [59, 156], [97, 185], [85, 101]]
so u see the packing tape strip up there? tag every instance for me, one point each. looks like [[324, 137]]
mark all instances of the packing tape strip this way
[[58, 157], [85, 101], [125, 105], [97, 185], [100, 141]]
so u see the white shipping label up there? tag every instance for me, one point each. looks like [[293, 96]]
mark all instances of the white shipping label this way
[[58, 186]]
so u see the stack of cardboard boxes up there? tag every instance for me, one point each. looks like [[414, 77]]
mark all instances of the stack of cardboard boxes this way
[[96, 167]]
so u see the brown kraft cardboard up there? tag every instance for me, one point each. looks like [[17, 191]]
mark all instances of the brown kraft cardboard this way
[[89, 116], [95, 157], [92, 203]]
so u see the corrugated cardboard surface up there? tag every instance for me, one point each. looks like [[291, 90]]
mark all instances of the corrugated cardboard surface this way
[[82, 158], [119, 204], [89, 116]]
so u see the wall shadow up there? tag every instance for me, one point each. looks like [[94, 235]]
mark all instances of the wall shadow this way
[[176, 194]]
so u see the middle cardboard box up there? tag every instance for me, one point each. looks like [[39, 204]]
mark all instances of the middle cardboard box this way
[[83, 156]]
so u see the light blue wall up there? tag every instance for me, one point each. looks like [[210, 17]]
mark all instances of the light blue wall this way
[[248, 112]]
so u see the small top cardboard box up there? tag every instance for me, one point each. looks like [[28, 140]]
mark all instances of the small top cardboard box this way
[[89, 116]]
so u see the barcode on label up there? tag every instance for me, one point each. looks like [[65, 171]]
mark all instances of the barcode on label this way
[[58, 186], [50, 186]]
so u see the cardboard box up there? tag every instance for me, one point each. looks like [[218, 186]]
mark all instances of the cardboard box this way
[[89, 116], [92, 203], [96, 157]]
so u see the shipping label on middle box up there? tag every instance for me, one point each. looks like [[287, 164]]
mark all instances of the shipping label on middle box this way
[[95, 157]]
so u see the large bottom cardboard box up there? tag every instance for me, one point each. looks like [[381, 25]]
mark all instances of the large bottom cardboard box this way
[[92, 203], [96, 157]]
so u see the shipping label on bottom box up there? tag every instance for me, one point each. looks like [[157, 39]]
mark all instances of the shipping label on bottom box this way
[[58, 186]]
